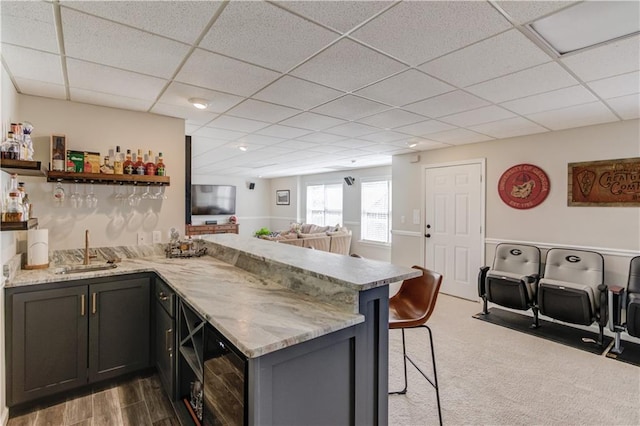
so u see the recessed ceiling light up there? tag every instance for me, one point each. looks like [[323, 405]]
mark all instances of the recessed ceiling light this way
[[242, 148], [199, 103], [588, 24], [412, 144]]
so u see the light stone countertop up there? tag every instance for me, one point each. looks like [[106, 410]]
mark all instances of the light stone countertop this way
[[253, 310]]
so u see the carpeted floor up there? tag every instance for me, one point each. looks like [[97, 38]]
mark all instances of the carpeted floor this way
[[491, 375]]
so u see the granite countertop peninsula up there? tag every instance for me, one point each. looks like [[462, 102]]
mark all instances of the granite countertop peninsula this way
[[260, 298]]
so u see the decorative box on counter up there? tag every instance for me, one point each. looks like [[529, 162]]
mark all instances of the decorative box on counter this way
[[185, 248]]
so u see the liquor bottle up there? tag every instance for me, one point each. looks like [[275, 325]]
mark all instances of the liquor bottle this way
[[138, 167], [15, 210], [106, 167], [160, 167], [150, 167], [127, 166], [117, 162]]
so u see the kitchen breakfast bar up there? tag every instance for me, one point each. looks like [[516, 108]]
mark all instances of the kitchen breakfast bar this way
[[253, 332]]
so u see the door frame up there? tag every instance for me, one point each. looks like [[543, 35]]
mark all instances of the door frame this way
[[483, 204]]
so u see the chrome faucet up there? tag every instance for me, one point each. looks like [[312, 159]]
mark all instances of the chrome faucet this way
[[87, 256]]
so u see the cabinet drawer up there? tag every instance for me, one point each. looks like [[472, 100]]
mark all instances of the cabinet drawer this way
[[166, 297]]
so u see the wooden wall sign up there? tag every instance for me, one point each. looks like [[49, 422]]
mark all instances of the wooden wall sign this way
[[605, 183], [523, 186]]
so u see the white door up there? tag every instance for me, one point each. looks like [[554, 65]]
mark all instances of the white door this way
[[453, 215]]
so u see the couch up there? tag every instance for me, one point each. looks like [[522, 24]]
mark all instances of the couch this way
[[334, 239]]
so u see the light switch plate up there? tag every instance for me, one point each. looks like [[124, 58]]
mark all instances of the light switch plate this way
[[157, 237]]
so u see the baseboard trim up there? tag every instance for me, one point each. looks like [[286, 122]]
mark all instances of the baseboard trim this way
[[4, 416], [606, 251]]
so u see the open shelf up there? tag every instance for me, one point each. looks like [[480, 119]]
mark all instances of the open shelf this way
[[22, 167], [19, 226], [107, 179]]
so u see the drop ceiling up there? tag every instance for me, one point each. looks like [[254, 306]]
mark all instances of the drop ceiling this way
[[317, 86]]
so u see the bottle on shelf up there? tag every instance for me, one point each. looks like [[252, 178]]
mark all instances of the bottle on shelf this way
[[117, 162], [138, 167], [150, 167], [15, 209], [127, 166], [24, 200], [160, 166]]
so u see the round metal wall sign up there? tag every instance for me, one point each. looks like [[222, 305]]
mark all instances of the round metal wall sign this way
[[523, 186]]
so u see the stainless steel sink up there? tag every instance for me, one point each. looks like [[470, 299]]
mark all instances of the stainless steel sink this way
[[74, 269]]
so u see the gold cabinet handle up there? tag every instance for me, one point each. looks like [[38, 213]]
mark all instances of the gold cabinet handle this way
[[94, 308], [82, 305], [167, 341]]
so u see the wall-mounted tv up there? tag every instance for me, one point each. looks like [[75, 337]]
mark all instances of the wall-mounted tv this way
[[213, 199]]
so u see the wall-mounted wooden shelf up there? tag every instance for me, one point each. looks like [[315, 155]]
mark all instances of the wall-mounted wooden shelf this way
[[106, 179], [19, 226], [22, 167]]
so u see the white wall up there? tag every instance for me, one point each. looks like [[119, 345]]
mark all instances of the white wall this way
[[283, 215], [251, 204], [612, 230], [94, 128]]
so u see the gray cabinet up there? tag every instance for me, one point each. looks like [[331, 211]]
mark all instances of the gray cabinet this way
[[165, 335], [62, 336]]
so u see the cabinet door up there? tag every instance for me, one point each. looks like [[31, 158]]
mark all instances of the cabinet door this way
[[48, 352], [165, 343], [119, 327]]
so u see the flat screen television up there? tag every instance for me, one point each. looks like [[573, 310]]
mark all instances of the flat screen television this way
[[213, 199]]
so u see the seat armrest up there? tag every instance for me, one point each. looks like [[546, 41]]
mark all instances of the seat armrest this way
[[482, 276], [533, 278], [615, 289], [616, 304], [603, 305]]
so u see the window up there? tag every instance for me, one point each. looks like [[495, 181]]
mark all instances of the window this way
[[376, 211], [324, 204]]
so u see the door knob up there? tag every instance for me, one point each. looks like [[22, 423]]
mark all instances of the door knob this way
[[427, 235]]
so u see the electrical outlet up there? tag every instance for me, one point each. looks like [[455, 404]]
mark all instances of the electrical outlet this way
[[142, 238], [157, 237]]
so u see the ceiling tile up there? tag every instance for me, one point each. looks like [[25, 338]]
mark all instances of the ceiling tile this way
[[238, 124], [627, 107], [224, 74], [618, 57], [265, 30], [296, 93], [321, 137], [392, 119], [386, 136], [328, 149], [401, 31], [295, 145], [459, 136], [260, 140], [29, 24], [613, 87], [575, 116], [100, 78], [352, 130], [195, 117], [311, 121], [222, 134], [189, 128], [542, 78], [446, 104], [340, 15], [159, 17], [341, 66], [350, 108], [508, 128], [556, 99], [179, 93], [381, 148], [284, 132], [106, 99], [262, 111], [354, 143], [100, 41], [527, 11], [201, 144], [500, 55], [425, 128], [41, 88], [478, 116], [33, 65], [404, 88]]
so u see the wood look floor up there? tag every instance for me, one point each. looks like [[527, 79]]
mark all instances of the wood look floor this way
[[136, 402]]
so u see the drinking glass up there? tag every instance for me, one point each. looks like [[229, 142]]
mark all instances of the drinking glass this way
[[134, 198], [75, 197], [146, 195], [58, 194], [121, 195], [90, 199], [159, 194]]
